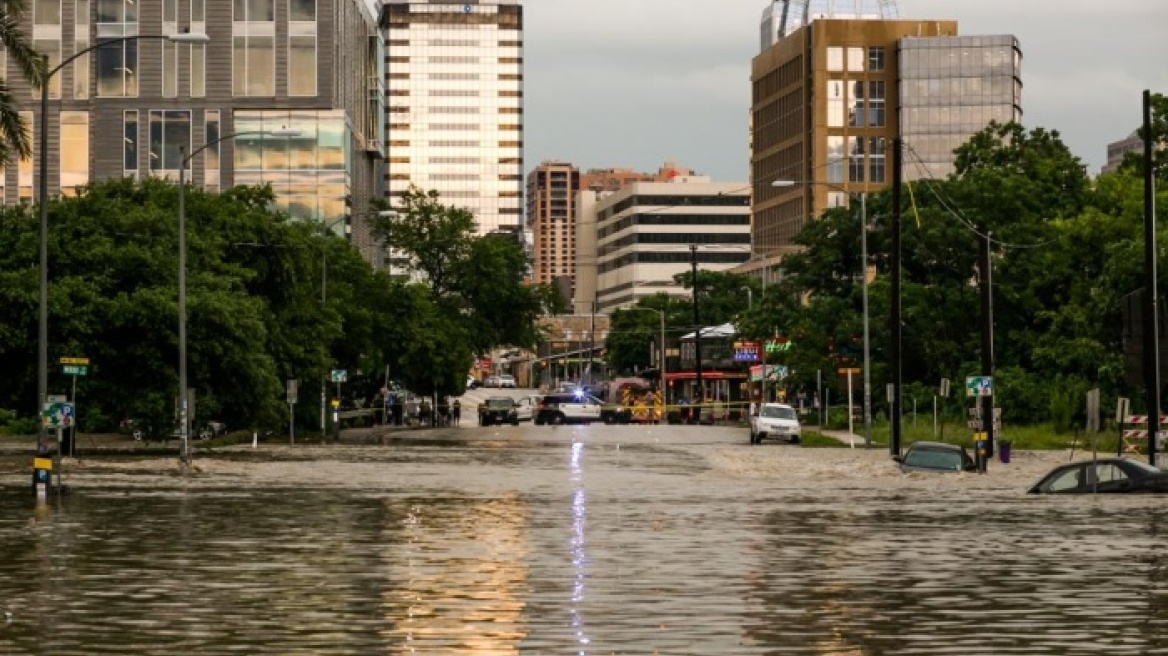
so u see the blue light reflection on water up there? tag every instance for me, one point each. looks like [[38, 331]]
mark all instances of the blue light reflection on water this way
[[579, 554]]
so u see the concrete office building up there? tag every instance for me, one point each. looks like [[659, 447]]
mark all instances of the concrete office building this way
[[455, 95], [553, 195], [126, 108], [1118, 150], [551, 218], [829, 98], [642, 235]]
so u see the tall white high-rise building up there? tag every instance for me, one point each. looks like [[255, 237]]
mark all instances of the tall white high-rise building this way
[[454, 90]]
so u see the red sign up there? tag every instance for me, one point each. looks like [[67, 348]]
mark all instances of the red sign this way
[[484, 362]]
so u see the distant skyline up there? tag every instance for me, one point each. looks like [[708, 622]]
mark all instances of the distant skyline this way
[[637, 83]]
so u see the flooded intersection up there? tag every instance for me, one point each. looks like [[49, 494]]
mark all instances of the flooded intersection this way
[[574, 540]]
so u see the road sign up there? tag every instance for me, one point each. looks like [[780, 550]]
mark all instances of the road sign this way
[[339, 376], [55, 398], [74, 360], [979, 386], [58, 414], [75, 369], [292, 385]]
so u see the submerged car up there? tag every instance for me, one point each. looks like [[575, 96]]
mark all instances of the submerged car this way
[[935, 457], [776, 421], [498, 410], [1105, 475]]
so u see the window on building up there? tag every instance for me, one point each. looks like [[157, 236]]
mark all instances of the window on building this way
[[74, 151], [130, 143], [835, 59], [24, 168], [117, 60], [856, 60], [876, 59], [198, 51], [855, 159], [211, 160], [836, 98], [856, 104], [876, 159], [253, 48], [876, 103], [170, 135], [80, 43], [301, 47], [835, 159], [46, 38], [169, 49]]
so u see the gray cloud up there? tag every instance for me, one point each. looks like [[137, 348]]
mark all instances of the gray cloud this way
[[637, 82]]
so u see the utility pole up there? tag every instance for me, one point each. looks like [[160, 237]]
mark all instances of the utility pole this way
[[894, 314], [701, 389], [987, 337], [1151, 295]]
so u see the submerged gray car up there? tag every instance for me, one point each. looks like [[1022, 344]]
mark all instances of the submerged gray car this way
[[935, 457]]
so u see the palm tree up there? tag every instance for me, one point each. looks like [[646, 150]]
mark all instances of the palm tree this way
[[14, 137]]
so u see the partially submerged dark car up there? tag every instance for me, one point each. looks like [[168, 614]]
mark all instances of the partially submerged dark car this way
[[1104, 475], [498, 410], [935, 457]]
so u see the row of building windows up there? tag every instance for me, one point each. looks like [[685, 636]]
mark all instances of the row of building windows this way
[[117, 61], [714, 200], [675, 257], [673, 219], [673, 238], [858, 59]]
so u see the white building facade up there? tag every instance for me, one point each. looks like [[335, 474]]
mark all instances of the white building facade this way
[[649, 232], [454, 90]]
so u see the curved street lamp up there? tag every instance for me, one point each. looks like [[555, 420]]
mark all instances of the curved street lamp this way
[[183, 394], [43, 193], [863, 198]]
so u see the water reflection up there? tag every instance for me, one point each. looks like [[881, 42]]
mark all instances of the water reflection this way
[[583, 541]]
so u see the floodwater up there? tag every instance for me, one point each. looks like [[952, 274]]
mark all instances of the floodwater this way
[[586, 540]]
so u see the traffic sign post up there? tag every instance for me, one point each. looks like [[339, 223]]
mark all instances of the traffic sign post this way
[[293, 384]]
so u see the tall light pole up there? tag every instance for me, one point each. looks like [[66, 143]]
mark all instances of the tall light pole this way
[[43, 199], [863, 198], [183, 394]]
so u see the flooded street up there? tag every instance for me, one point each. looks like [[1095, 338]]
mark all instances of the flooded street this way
[[587, 540]]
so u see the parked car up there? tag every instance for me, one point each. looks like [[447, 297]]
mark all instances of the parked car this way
[[526, 406], [471, 382], [506, 380], [777, 421], [567, 408], [492, 381], [498, 410], [935, 457], [1106, 475]]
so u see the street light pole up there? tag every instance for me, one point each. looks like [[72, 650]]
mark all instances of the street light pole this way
[[43, 199], [863, 198], [661, 367], [183, 392]]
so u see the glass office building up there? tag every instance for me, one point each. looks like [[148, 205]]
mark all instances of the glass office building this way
[[454, 90], [951, 88], [132, 108]]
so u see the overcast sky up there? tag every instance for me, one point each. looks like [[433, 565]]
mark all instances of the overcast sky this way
[[634, 83]]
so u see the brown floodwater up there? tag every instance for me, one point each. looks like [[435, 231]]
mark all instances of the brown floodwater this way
[[590, 540]]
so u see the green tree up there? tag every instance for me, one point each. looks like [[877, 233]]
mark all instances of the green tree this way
[[14, 139]]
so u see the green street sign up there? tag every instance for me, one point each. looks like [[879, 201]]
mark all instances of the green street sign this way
[[75, 369], [339, 376]]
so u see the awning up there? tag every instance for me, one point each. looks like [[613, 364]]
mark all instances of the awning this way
[[711, 332]]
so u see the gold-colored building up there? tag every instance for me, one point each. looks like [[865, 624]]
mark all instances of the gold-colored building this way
[[829, 98]]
